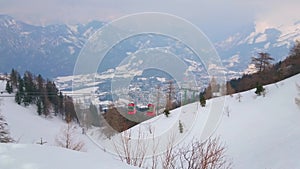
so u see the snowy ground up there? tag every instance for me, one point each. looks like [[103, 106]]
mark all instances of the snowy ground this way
[[27, 128], [264, 132], [260, 132]]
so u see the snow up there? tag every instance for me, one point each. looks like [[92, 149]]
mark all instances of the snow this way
[[25, 156], [232, 60], [27, 128], [259, 132], [261, 38], [267, 45], [71, 50], [250, 69], [264, 132]]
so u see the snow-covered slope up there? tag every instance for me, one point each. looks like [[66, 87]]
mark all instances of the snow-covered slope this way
[[259, 132], [27, 128], [25, 156], [264, 132]]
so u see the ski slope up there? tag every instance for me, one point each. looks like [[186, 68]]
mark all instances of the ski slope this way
[[259, 132], [264, 132], [27, 128]]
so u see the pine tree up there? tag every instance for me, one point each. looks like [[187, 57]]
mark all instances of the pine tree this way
[[166, 112], [259, 89], [20, 94], [202, 100], [39, 107], [29, 88], [18, 98], [61, 103], [14, 76], [8, 87]]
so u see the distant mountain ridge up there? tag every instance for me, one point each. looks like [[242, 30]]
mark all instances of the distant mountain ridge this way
[[52, 50], [237, 49]]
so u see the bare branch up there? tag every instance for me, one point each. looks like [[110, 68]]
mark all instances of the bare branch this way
[[67, 139]]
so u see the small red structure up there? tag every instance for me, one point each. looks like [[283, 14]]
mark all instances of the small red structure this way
[[131, 108], [151, 110]]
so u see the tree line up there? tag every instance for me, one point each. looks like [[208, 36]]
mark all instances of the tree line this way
[[30, 89], [267, 73]]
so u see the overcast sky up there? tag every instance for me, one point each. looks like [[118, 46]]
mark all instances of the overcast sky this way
[[220, 16]]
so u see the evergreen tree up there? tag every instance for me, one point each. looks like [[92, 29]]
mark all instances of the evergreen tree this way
[[20, 91], [52, 92], [61, 103], [18, 98], [46, 105], [14, 76], [4, 133], [166, 112], [29, 88], [8, 87], [202, 100], [259, 89], [39, 107]]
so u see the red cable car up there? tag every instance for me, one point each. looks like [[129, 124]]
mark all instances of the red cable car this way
[[131, 108], [151, 110]]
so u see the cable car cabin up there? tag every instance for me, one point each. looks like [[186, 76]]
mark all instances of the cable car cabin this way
[[131, 108], [151, 110]]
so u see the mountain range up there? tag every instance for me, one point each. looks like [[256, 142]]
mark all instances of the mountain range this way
[[52, 50]]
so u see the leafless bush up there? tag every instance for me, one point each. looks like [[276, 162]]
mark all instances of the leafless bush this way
[[209, 154], [154, 156], [168, 159], [131, 151], [66, 138]]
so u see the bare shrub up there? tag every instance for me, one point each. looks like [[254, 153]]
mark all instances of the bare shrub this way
[[168, 159], [67, 139], [209, 154], [131, 151]]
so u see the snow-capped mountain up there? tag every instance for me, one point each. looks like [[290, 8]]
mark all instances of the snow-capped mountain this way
[[237, 50], [50, 50]]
